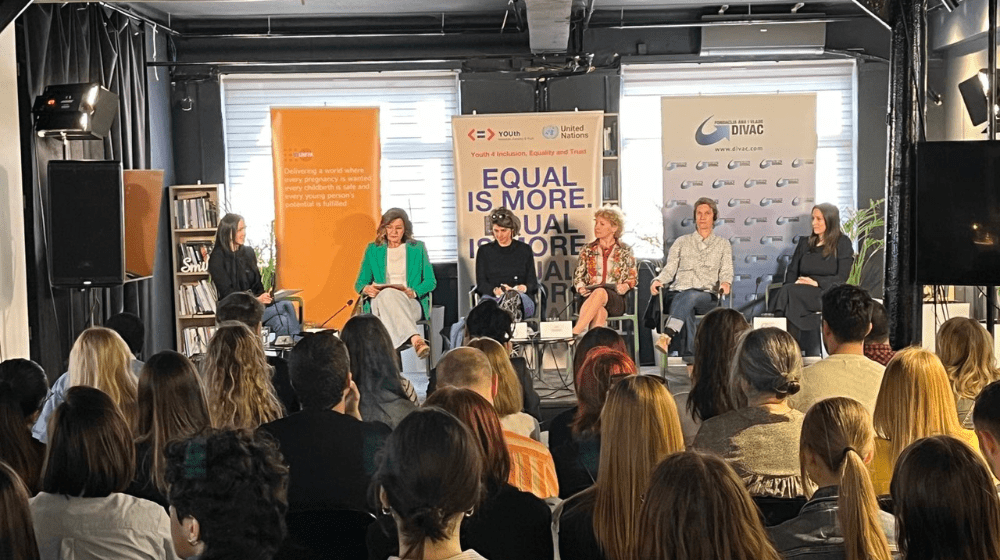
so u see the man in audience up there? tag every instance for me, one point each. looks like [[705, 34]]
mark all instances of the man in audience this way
[[877, 342], [244, 308], [531, 466], [330, 451], [986, 419], [847, 317]]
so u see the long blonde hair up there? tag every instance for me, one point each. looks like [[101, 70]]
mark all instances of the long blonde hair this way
[[966, 350], [101, 359], [697, 508], [509, 398], [639, 428], [915, 401], [839, 432], [238, 380]]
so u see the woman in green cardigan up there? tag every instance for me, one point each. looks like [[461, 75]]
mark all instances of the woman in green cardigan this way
[[397, 278]]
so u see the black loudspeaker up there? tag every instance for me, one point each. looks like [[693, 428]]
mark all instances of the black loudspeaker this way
[[85, 224]]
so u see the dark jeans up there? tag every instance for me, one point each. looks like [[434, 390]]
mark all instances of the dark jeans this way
[[685, 306]]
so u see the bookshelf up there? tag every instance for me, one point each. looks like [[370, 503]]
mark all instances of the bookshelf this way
[[610, 168], [194, 216]]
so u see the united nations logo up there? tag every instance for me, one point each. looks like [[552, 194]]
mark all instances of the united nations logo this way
[[550, 132]]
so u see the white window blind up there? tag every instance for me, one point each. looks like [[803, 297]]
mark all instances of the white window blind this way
[[417, 171], [835, 85]]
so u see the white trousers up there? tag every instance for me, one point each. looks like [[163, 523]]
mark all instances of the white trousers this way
[[398, 313]]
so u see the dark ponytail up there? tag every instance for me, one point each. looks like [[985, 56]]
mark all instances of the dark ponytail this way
[[23, 387]]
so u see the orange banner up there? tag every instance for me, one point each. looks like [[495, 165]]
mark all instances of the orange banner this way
[[326, 202]]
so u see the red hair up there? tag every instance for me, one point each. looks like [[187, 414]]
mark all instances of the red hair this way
[[600, 370], [481, 418]]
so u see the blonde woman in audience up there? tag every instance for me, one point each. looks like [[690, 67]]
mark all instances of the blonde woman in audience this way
[[238, 380], [640, 428], [100, 359], [696, 508], [966, 350], [171, 406], [760, 438], [945, 503], [17, 535], [914, 401], [509, 400], [842, 516], [81, 512]]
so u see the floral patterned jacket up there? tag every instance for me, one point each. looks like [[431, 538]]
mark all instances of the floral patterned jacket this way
[[621, 266]]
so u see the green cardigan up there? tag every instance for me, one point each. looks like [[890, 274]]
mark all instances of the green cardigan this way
[[419, 273]]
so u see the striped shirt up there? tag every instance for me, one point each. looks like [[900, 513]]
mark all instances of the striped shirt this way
[[694, 262], [531, 466]]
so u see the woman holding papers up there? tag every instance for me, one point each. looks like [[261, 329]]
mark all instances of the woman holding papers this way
[[233, 268], [605, 272], [396, 278]]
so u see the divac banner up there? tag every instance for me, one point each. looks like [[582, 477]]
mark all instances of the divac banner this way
[[546, 168], [755, 155]]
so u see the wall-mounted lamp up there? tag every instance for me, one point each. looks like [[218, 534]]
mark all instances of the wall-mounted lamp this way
[[974, 95]]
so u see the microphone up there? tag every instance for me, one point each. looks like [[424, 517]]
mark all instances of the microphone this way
[[558, 315], [349, 302]]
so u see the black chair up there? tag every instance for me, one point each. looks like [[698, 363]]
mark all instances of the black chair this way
[[326, 534], [774, 511]]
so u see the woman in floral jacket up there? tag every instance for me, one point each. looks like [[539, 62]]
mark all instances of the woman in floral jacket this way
[[605, 272]]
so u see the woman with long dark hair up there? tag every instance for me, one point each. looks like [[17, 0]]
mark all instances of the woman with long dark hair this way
[[172, 406], [22, 391], [820, 262], [233, 268], [89, 462], [386, 396], [396, 277], [429, 479], [17, 534]]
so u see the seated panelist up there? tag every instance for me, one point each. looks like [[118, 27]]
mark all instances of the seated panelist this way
[[233, 268], [397, 277], [505, 267], [606, 265]]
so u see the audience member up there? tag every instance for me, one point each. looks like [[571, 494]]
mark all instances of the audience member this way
[[640, 428], [100, 359], [842, 518], [129, 326], [172, 406], [509, 523], [244, 308], [227, 496], [986, 417], [696, 508], [578, 460], [330, 450], [532, 469], [428, 480], [238, 380], [877, 346], [945, 503], [509, 400], [559, 427], [915, 401], [487, 320], [386, 396], [846, 372], [714, 346], [966, 351], [17, 535], [760, 438], [22, 392], [89, 461]]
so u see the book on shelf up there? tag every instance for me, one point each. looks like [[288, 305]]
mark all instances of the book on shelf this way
[[197, 298], [192, 256], [196, 339], [195, 211]]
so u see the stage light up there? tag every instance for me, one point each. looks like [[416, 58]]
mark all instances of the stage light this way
[[974, 95], [75, 111]]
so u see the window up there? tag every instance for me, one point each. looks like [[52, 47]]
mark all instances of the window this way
[[417, 171], [835, 85]]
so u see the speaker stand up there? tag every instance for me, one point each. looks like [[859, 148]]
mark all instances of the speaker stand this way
[[991, 308]]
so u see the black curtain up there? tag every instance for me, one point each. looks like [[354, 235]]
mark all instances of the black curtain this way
[[77, 43]]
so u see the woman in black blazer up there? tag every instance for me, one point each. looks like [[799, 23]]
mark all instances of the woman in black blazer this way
[[233, 268], [820, 262]]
